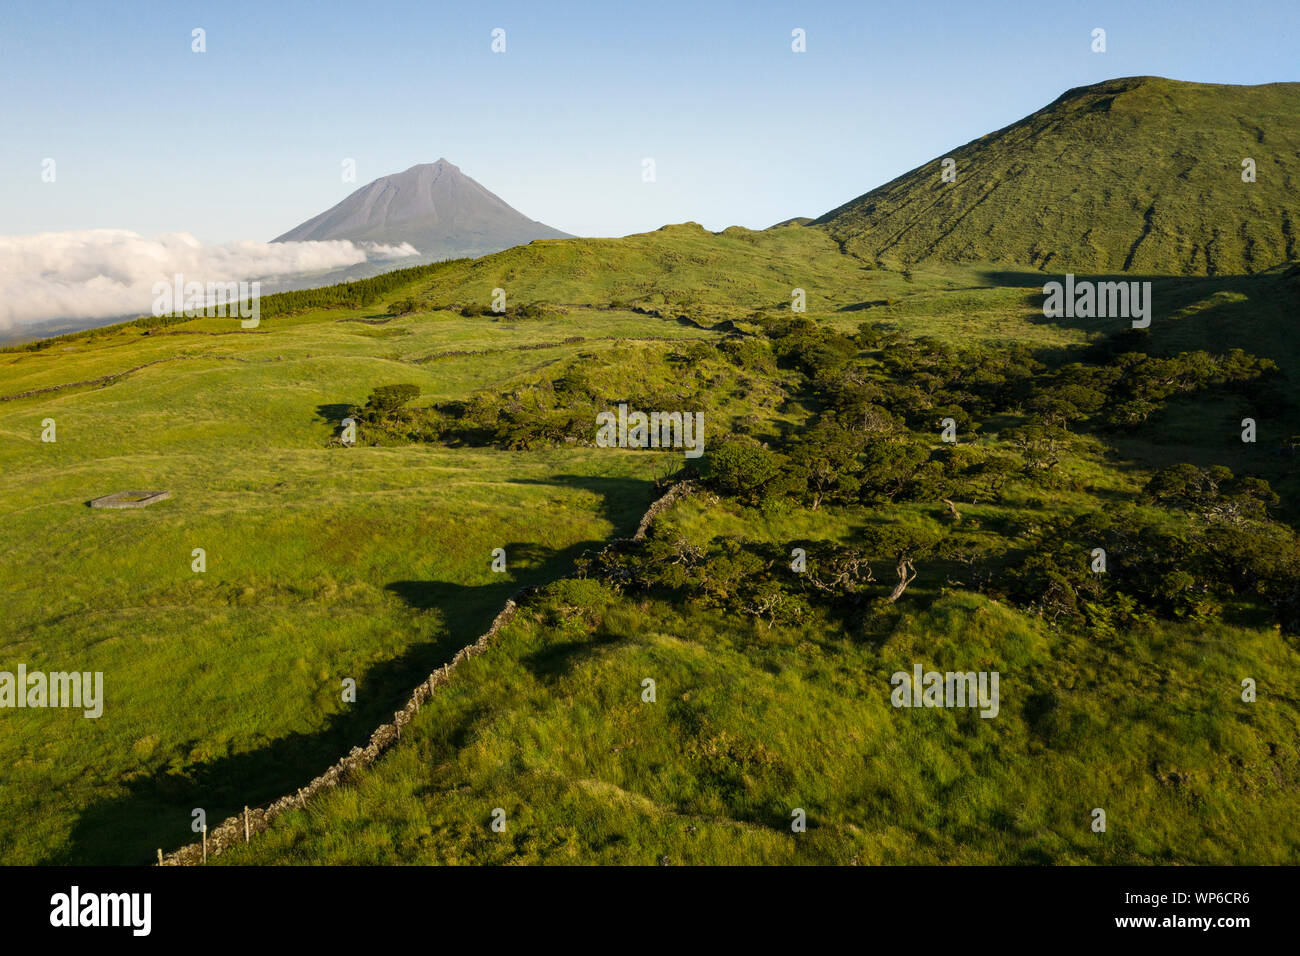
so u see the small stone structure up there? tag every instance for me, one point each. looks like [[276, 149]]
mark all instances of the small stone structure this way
[[130, 499]]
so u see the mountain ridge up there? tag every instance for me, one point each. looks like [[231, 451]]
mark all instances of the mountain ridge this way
[[1130, 174]]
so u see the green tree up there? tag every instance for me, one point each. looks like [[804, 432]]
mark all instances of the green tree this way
[[745, 470], [388, 398]]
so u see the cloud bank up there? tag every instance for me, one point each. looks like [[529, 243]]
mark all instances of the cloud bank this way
[[105, 273]]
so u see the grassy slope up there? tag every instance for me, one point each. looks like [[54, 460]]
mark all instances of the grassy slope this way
[[373, 563], [549, 725], [1139, 174], [750, 724], [322, 563]]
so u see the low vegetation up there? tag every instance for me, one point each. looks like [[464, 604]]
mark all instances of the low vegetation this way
[[836, 537]]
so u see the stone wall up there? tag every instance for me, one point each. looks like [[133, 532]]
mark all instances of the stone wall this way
[[240, 828]]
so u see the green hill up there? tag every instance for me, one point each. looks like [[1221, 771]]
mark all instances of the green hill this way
[[1139, 174], [372, 562], [1121, 690]]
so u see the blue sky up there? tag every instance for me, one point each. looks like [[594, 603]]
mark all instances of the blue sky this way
[[246, 140]]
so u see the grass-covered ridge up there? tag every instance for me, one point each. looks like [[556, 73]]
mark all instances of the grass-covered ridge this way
[[1122, 690], [373, 562], [1141, 174]]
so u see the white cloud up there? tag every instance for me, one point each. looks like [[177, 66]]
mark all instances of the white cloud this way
[[105, 273]]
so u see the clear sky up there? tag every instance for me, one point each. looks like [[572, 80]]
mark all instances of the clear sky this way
[[246, 140]]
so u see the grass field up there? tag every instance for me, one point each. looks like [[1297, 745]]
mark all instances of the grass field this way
[[749, 726], [753, 723], [322, 563]]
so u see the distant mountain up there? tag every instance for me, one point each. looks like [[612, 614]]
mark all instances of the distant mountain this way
[[1141, 174], [433, 206]]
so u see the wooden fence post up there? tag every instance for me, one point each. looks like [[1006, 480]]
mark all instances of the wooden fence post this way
[[205, 843], [245, 824]]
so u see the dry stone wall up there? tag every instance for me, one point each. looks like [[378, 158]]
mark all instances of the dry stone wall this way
[[241, 828]]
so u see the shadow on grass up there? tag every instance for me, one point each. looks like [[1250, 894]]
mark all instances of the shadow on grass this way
[[622, 500], [560, 657], [333, 414], [155, 812], [1254, 313], [863, 306]]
